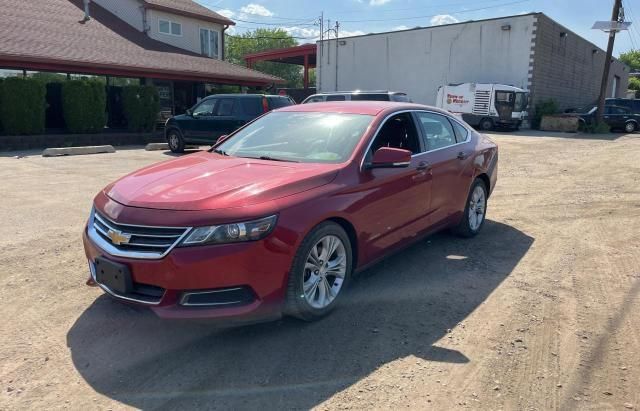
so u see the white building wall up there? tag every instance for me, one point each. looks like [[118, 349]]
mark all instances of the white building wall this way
[[419, 61], [190, 38], [128, 10]]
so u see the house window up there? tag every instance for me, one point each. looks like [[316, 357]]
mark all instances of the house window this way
[[170, 27], [209, 43]]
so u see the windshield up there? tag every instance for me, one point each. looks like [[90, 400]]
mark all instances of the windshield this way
[[522, 101], [298, 136]]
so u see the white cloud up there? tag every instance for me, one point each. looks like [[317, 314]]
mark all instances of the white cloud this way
[[401, 27], [347, 33], [443, 19], [378, 2], [310, 34], [226, 12], [257, 10]]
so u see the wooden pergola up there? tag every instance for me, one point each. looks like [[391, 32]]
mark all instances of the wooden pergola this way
[[304, 55]]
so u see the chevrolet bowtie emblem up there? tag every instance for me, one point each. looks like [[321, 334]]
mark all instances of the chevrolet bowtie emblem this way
[[117, 237]]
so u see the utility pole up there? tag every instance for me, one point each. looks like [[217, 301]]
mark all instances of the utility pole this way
[[320, 55], [337, 36], [617, 4]]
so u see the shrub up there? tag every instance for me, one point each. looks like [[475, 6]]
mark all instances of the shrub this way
[[599, 128], [84, 105], [141, 105], [22, 106], [544, 108]]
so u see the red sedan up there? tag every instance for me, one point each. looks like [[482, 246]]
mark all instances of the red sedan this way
[[277, 217]]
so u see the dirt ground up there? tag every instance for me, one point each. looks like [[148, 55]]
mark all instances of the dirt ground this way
[[541, 311]]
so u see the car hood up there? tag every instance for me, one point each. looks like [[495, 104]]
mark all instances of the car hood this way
[[208, 181], [181, 117]]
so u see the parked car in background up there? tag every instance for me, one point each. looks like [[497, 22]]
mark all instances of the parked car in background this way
[[616, 117], [358, 96], [218, 115], [631, 103], [276, 218]]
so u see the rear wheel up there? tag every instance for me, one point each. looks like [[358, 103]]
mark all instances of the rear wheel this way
[[474, 211], [486, 124], [630, 127], [320, 272], [175, 141]]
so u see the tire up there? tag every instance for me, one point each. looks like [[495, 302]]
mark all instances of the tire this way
[[486, 124], [175, 141], [309, 305], [630, 127], [466, 227]]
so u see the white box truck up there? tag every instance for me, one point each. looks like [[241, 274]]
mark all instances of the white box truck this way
[[486, 106]]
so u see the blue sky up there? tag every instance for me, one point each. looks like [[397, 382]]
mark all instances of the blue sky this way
[[297, 16]]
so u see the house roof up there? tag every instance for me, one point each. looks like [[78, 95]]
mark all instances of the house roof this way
[[188, 8], [50, 35]]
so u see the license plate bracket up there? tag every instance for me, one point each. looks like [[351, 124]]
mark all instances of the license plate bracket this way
[[114, 276]]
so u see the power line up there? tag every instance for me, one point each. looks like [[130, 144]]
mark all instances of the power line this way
[[269, 38], [299, 23], [352, 11], [433, 15]]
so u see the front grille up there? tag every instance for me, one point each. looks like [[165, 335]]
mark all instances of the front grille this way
[[134, 241]]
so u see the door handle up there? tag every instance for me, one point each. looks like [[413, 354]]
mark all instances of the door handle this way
[[463, 155], [423, 165]]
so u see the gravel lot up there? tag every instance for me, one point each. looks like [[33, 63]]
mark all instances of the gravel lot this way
[[541, 311]]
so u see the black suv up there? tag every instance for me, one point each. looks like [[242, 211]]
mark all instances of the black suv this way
[[218, 115]]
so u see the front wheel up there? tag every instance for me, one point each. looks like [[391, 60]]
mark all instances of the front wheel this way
[[474, 211], [486, 124], [630, 127], [320, 272], [175, 141]]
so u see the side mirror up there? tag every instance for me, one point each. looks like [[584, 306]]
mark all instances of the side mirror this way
[[222, 139], [189, 112], [387, 157]]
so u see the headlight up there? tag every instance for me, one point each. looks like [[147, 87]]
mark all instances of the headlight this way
[[231, 233]]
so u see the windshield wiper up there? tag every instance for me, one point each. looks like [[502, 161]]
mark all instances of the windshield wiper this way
[[222, 152], [276, 159], [268, 158]]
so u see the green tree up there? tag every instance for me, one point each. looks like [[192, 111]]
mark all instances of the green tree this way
[[236, 47], [634, 84], [631, 59]]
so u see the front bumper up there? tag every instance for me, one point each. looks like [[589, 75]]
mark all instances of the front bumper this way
[[259, 268]]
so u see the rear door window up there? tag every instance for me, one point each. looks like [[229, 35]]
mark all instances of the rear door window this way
[[461, 132], [225, 107], [437, 130], [252, 106], [337, 97]]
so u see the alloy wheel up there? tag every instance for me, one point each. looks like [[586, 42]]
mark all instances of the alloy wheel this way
[[477, 207], [324, 271], [630, 127], [174, 141]]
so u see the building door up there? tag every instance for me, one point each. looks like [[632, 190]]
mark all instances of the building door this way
[[614, 86], [183, 96]]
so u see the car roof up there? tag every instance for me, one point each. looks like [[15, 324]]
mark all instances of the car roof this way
[[371, 108], [245, 95], [331, 93]]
